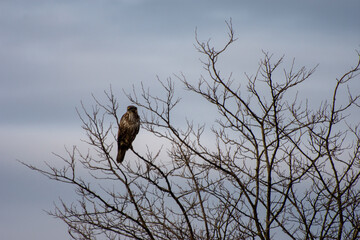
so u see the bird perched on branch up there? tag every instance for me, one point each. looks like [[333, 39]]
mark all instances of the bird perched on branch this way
[[128, 129]]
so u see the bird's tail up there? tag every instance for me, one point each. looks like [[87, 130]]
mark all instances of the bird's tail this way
[[120, 155]]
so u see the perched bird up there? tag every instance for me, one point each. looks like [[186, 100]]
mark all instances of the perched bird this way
[[128, 129]]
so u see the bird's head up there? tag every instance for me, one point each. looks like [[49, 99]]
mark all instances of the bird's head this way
[[132, 108]]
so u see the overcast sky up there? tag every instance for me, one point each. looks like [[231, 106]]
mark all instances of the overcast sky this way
[[55, 53]]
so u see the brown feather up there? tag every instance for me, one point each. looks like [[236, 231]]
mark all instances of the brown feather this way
[[128, 129], [121, 154]]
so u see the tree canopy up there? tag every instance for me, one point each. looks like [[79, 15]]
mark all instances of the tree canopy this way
[[274, 167]]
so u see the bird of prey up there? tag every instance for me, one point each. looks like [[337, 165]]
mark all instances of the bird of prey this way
[[128, 129]]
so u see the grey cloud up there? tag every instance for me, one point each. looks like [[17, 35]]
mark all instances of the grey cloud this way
[[55, 53]]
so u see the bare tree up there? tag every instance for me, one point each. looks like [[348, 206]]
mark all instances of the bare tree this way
[[275, 168]]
